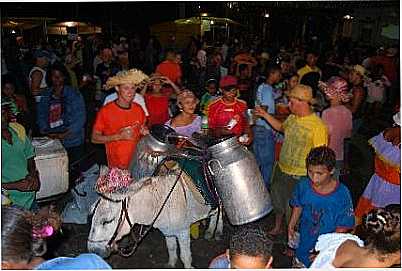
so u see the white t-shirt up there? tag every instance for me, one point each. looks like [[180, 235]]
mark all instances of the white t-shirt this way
[[137, 99], [202, 58]]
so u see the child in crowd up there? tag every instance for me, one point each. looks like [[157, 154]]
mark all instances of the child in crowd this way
[[210, 95], [337, 117], [320, 203], [249, 248], [290, 81], [376, 87], [157, 99], [23, 244]]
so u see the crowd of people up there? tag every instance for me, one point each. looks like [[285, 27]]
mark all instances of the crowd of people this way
[[294, 108]]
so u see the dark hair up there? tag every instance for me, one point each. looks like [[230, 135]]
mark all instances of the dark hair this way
[[311, 79], [288, 76], [7, 79], [250, 240], [57, 67], [211, 81], [381, 229], [315, 53], [321, 156], [17, 243], [273, 68], [242, 67]]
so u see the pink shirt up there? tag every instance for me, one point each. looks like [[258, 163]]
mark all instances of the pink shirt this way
[[339, 122]]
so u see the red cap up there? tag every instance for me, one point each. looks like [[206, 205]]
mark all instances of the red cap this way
[[228, 81]]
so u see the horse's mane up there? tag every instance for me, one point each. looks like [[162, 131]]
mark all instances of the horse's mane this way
[[151, 181]]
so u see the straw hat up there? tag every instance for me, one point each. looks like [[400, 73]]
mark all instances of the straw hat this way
[[360, 69], [303, 93], [134, 77]]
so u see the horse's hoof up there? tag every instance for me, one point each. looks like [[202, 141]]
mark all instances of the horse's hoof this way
[[168, 265], [208, 236]]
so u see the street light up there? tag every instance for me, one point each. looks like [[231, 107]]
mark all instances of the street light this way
[[13, 31], [348, 17], [266, 15]]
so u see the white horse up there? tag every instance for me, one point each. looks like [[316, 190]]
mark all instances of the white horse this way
[[142, 201]]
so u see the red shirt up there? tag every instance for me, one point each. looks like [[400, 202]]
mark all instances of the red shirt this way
[[220, 113], [389, 66], [157, 108], [109, 120], [170, 69]]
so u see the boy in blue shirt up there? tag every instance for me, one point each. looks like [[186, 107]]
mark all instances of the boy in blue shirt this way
[[320, 202]]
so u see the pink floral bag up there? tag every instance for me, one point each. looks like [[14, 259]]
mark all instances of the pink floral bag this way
[[113, 179]]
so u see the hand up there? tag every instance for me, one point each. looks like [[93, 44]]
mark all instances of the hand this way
[[260, 112], [166, 80], [58, 135], [126, 133], [291, 233], [313, 255], [249, 141], [30, 183], [144, 130]]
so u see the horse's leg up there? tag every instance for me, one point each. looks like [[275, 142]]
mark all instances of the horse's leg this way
[[219, 227], [209, 233], [185, 249], [171, 244]]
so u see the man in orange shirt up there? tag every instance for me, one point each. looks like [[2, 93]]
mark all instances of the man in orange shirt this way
[[120, 124], [227, 115], [170, 68]]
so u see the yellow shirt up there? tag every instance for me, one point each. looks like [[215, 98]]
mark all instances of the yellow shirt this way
[[301, 135], [306, 69]]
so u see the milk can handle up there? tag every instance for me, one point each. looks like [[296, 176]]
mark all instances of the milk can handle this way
[[209, 165]]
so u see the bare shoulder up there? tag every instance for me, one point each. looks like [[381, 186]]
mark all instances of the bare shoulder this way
[[345, 253]]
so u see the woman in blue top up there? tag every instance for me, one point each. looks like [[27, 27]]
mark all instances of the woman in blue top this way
[[19, 250], [320, 202], [61, 113]]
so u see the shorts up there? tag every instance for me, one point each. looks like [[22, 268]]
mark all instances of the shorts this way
[[282, 190]]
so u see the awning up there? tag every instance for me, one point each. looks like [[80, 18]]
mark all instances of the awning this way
[[197, 20]]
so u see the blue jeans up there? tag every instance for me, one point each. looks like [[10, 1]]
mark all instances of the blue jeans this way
[[264, 151]]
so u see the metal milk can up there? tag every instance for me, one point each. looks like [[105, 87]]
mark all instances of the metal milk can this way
[[238, 181], [151, 150]]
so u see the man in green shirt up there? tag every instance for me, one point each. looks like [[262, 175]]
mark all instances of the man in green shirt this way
[[19, 176]]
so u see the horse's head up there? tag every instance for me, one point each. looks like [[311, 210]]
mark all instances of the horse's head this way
[[109, 223]]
